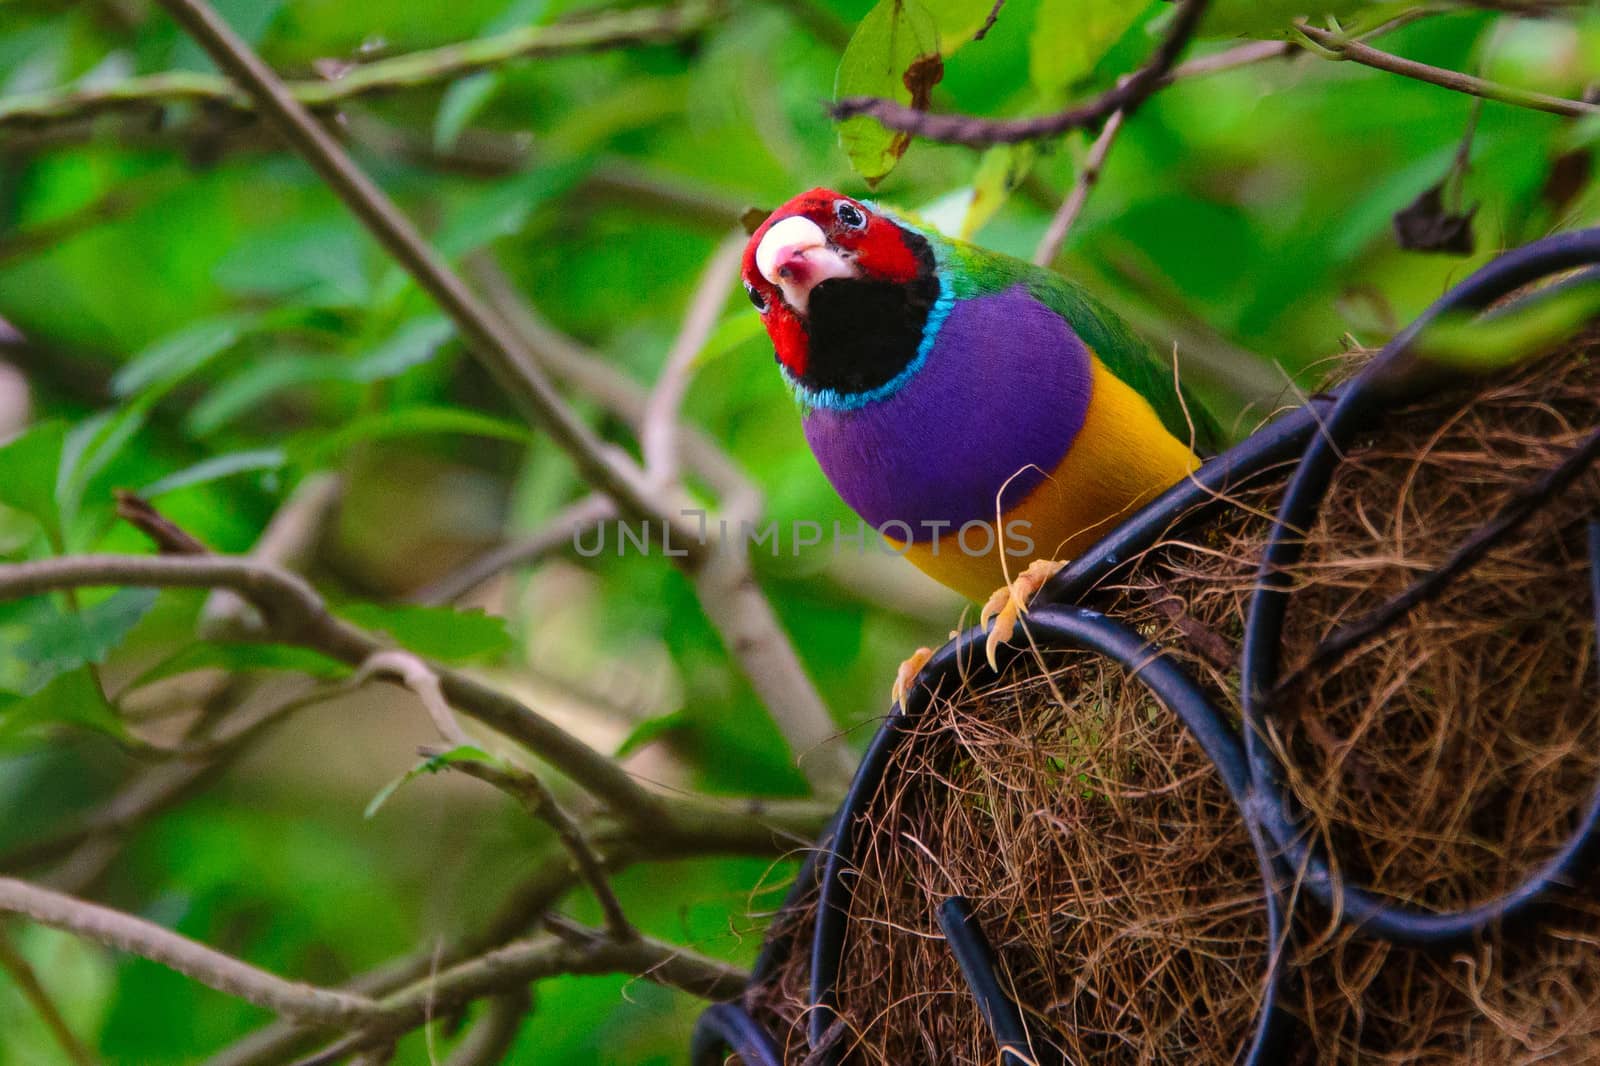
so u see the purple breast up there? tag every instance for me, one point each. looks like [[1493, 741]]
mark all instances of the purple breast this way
[[995, 407]]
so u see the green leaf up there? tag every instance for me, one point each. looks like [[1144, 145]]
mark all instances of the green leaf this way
[[894, 54], [441, 633], [652, 729], [174, 357], [66, 640], [431, 765], [466, 98], [411, 345], [322, 263], [246, 390], [316, 448], [503, 209], [238, 658], [91, 447], [1521, 331], [1071, 36], [216, 468], [1274, 18], [733, 332], [461, 104], [1000, 171], [28, 467], [71, 699]]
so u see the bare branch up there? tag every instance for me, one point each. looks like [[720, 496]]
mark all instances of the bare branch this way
[[411, 71], [517, 964], [498, 348], [298, 615], [168, 538], [494, 973], [556, 534], [27, 981], [529, 790], [1088, 176], [585, 371], [493, 1035], [290, 541], [206, 965], [981, 132], [699, 828], [578, 951], [773, 669], [658, 433], [1242, 55], [1367, 56], [415, 675], [724, 583]]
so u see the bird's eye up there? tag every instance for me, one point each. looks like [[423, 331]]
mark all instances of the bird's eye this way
[[756, 297], [849, 215]]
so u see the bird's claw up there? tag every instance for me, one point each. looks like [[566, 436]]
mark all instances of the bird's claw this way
[[908, 673], [1010, 602]]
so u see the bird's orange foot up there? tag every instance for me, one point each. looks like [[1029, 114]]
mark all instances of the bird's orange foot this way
[[908, 673], [1010, 602]]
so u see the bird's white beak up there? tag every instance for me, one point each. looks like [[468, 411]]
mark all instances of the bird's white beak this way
[[794, 255]]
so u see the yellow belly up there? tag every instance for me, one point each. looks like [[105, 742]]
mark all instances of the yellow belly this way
[[1122, 458]]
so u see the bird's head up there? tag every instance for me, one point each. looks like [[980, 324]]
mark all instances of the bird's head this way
[[844, 290]]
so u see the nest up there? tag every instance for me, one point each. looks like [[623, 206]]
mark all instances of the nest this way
[[1441, 762]]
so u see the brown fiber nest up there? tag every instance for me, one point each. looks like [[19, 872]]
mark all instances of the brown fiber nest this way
[[1106, 863]]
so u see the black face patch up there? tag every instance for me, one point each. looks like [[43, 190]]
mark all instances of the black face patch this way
[[864, 332]]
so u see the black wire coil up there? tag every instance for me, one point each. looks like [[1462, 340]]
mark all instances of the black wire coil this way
[[1252, 774]]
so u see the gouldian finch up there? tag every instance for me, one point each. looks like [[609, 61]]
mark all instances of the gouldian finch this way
[[986, 415]]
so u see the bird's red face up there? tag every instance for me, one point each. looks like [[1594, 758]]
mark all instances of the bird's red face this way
[[818, 238]]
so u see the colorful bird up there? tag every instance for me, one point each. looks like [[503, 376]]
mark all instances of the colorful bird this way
[[986, 415]]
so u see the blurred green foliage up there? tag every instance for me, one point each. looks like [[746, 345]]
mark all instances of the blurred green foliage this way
[[206, 323]]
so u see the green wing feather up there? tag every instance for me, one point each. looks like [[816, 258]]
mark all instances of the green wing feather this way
[[974, 271]]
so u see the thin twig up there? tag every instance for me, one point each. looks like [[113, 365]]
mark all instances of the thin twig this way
[[529, 789], [376, 1021], [585, 371], [298, 615], [22, 974], [1454, 80], [411, 71], [518, 964], [206, 965], [417, 676], [165, 534], [1088, 176], [988, 23], [658, 432], [290, 540], [981, 132], [727, 589], [493, 1035], [759, 828], [553, 536], [496, 347]]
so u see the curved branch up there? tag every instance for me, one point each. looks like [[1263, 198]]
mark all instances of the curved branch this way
[[411, 71], [1088, 176], [1454, 80], [981, 132], [206, 965], [297, 615]]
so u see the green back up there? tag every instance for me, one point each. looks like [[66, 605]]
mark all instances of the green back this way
[[974, 271]]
